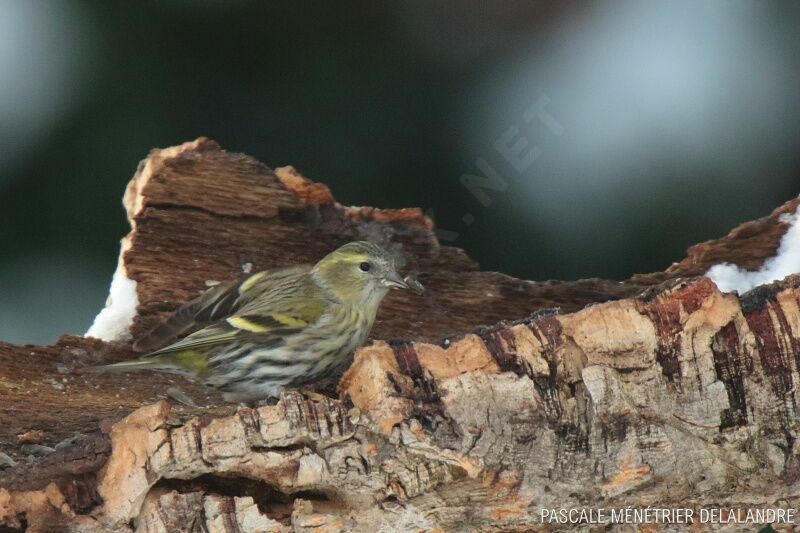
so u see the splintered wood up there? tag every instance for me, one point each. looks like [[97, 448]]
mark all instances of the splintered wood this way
[[477, 404]]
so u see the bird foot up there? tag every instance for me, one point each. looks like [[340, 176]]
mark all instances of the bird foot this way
[[312, 394]]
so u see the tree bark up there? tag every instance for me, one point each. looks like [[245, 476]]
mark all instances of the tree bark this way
[[479, 403]]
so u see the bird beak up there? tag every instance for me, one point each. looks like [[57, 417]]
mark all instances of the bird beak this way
[[394, 281]]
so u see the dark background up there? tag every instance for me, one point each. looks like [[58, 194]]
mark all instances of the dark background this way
[[671, 123]]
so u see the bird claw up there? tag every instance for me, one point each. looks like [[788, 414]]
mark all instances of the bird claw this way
[[314, 396], [311, 394]]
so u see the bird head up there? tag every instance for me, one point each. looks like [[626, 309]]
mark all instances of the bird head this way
[[359, 273]]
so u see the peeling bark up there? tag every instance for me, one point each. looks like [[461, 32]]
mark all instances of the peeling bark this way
[[476, 405]]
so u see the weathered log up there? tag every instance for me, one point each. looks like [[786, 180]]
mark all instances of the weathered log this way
[[478, 404]]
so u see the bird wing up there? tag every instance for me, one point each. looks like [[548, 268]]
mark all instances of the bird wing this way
[[285, 306], [193, 355], [264, 309], [221, 301]]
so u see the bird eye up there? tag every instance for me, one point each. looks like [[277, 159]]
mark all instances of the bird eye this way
[[365, 266]]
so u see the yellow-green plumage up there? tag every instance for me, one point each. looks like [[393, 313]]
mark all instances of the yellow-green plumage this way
[[275, 329]]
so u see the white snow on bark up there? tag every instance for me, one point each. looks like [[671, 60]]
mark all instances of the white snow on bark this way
[[730, 277], [114, 322]]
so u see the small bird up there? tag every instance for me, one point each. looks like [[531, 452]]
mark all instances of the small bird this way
[[275, 329]]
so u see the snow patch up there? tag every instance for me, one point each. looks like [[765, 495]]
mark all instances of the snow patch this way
[[114, 322], [730, 277]]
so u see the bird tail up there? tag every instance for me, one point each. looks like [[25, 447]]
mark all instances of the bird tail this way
[[127, 366]]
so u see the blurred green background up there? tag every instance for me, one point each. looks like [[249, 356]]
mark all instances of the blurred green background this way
[[663, 124]]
